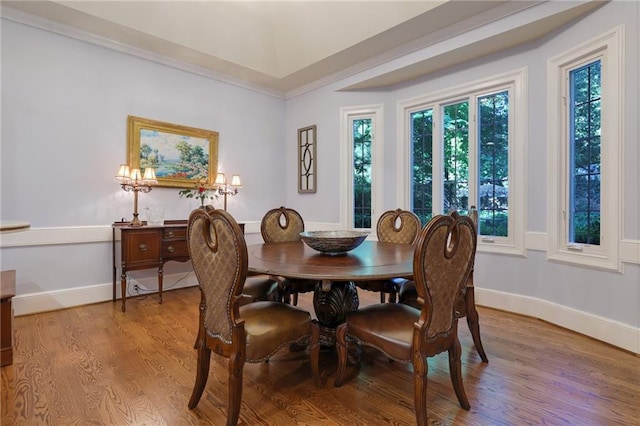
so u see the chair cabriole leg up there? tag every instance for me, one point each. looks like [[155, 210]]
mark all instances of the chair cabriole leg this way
[[420, 371], [473, 322], [341, 348], [455, 371], [315, 353], [202, 374], [235, 391]]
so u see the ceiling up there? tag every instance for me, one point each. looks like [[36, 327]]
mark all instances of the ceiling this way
[[287, 47]]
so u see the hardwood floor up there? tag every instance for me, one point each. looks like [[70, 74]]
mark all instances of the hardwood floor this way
[[97, 365]]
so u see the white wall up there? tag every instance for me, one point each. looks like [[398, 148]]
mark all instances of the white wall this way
[[64, 108], [64, 132], [602, 304]]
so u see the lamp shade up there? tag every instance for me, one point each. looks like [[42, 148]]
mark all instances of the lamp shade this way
[[150, 176], [135, 175], [123, 174], [235, 181], [220, 179]]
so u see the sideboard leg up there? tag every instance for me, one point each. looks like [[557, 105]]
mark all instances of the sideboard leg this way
[[160, 274], [123, 286]]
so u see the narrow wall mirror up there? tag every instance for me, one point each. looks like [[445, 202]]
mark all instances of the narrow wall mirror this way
[[307, 159]]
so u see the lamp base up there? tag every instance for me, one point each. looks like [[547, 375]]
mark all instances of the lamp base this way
[[135, 221]]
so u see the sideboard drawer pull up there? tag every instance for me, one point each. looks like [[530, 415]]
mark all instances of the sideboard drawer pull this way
[[170, 234], [171, 249], [143, 247]]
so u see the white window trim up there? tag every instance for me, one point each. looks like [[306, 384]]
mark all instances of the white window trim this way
[[517, 79], [609, 47], [347, 114]]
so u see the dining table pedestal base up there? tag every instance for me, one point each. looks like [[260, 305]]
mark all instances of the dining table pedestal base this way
[[332, 301]]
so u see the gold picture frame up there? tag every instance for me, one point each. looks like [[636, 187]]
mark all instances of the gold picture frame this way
[[307, 169], [182, 156]]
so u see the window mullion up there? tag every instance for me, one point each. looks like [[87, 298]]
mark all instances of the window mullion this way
[[438, 162], [473, 152]]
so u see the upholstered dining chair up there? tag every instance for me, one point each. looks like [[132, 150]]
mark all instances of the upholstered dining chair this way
[[465, 305], [257, 286], [241, 332], [394, 226], [442, 262], [283, 225]]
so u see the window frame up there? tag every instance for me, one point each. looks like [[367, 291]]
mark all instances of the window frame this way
[[515, 82], [608, 48], [347, 116]]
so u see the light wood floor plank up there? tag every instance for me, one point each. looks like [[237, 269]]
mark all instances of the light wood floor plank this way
[[94, 365]]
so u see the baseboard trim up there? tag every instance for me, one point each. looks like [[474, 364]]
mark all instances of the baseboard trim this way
[[606, 330], [613, 332], [34, 303]]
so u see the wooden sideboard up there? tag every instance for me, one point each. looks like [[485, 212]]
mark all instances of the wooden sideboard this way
[[145, 247]]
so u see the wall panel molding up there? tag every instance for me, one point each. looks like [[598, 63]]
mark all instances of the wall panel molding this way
[[535, 241], [55, 236], [629, 249]]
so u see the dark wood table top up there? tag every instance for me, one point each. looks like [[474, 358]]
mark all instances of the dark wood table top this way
[[372, 260]]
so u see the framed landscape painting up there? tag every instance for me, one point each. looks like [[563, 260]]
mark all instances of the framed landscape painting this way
[[182, 156]]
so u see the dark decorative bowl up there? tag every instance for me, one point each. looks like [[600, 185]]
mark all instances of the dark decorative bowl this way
[[333, 242]]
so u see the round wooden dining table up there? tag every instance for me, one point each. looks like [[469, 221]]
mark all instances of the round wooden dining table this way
[[335, 293]]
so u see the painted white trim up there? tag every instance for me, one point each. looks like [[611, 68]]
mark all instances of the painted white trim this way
[[33, 303], [54, 236], [78, 34], [535, 241], [516, 82], [76, 235], [609, 48], [251, 227], [630, 251], [613, 332], [424, 46], [376, 113]]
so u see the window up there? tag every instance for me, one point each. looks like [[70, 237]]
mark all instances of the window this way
[[361, 173], [422, 163], [584, 158], [493, 170], [585, 134], [466, 147], [455, 126], [361, 129]]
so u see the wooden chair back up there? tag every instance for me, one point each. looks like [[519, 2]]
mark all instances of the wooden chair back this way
[[398, 226], [242, 332], [465, 304], [219, 255], [443, 260], [281, 225], [394, 226]]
